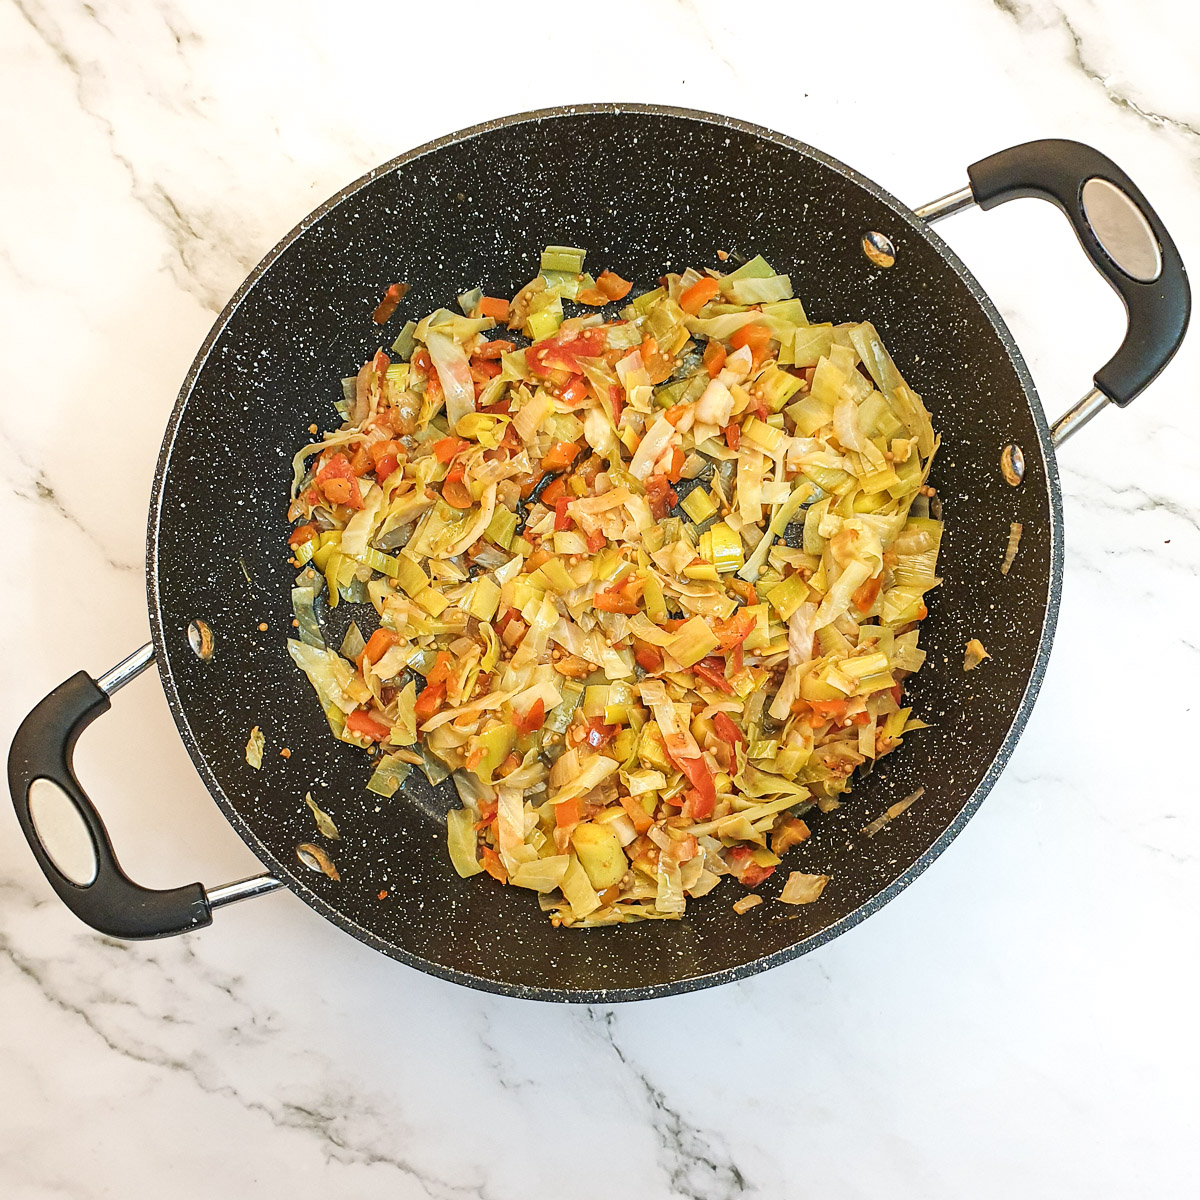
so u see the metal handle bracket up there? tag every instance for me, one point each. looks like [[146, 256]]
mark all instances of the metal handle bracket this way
[[1121, 235], [67, 834]]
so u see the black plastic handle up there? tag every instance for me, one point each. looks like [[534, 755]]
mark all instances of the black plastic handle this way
[[1158, 308], [112, 902]]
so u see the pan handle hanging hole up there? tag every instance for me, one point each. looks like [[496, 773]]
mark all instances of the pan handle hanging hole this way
[[879, 248], [1012, 464], [200, 638]]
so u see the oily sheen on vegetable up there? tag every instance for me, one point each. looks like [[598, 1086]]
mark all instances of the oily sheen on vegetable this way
[[644, 579]]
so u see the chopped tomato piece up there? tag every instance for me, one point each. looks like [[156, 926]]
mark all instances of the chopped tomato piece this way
[[302, 534], [727, 731], [701, 779], [593, 296], [658, 365], [390, 302], [675, 470], [360, 462], [386, 449], [698, 295], [674, 414], [864, 597], [366, 724], [613, 286], [455, 491], [733, 435], [562, 519], [617, 399], [483, 371], [339, 483], [493, 349], [596, 541], [561, 353], [735, 630], [829, 710], [575, 392], [598, 734], [660, 496], [637, 814], [713, 675], [615, 601], [531, 722], [385, 457], [568, 813], [430, 700], [492, 864], [745, 869], [649, 658]]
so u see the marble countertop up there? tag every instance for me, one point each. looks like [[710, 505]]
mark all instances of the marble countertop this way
[[1020, 1021]]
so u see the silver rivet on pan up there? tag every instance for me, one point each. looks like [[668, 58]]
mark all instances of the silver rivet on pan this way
[[1012, 464], [878, 248], [200, 638]]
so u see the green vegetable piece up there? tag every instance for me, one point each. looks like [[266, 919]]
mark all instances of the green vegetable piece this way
[[390, 772], [405, 343], [563, 258], [462, 842]]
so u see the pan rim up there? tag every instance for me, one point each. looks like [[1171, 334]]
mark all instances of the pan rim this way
[[284, 870]]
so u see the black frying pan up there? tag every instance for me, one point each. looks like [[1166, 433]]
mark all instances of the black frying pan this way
[[643, 189]]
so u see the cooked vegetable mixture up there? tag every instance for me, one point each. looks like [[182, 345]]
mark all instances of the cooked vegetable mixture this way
[[646, 580]]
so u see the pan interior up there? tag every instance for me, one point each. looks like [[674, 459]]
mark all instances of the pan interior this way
[[643, 190]]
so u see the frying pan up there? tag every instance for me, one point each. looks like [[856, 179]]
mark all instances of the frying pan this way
[[645, 189]]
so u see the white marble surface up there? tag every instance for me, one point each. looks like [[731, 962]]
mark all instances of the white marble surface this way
[[1022, 1021]]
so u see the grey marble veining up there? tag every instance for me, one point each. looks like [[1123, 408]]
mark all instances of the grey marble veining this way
[[1018, 1021]]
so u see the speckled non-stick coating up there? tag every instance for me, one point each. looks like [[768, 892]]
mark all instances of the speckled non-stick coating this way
[[644, 190]]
